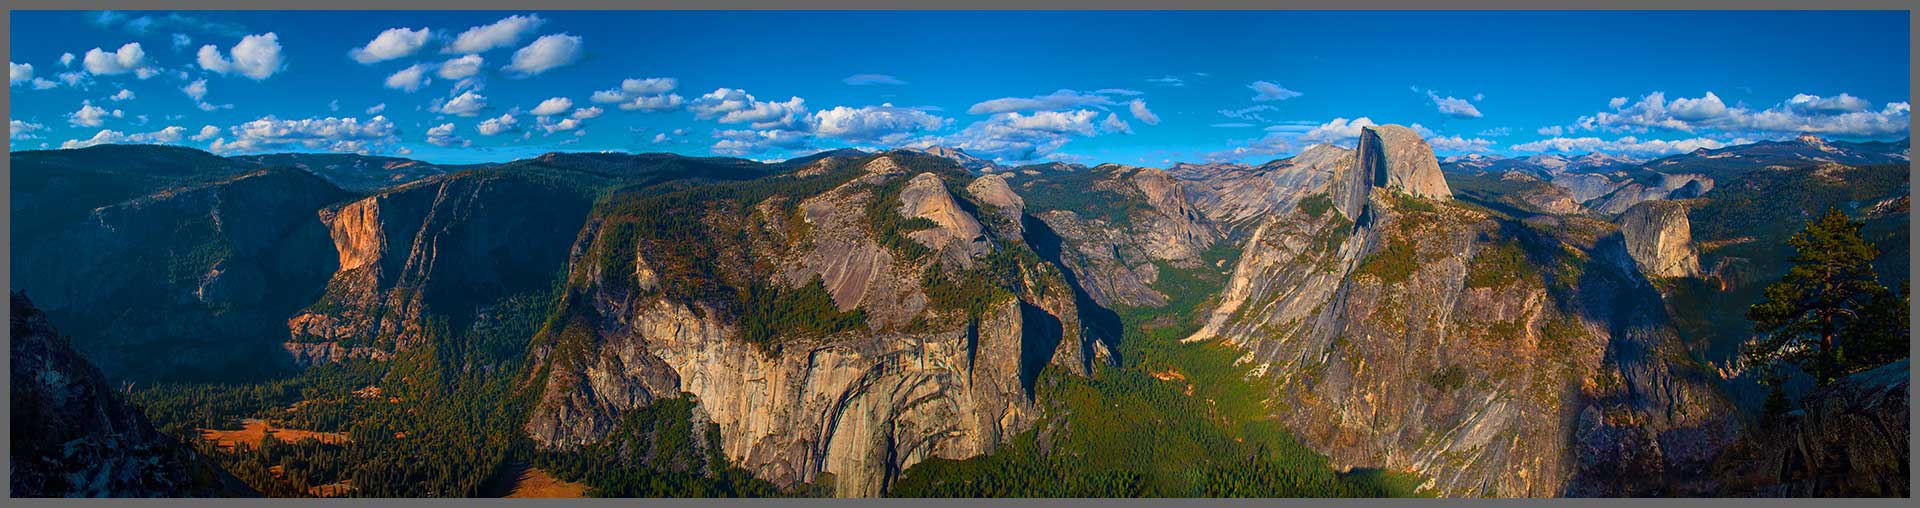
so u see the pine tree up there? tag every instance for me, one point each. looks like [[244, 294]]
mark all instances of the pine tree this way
[[1828, 315]]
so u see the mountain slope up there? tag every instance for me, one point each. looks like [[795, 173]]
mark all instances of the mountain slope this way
[[73, 435]]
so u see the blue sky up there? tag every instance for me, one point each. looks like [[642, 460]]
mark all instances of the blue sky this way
[[1146, 88]]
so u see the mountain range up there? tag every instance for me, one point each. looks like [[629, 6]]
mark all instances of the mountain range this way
[[1366, 320]]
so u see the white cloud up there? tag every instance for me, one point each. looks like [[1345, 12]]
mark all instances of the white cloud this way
[[661, 138], [206, 132], [1140, 112], [1453, 106], [197, 90], [745, 142], [390, 44], [1059, 99], [587, 112], [465, 104], [1113, 123], [500, 34], [1625, 145], [1843, 115], [1457, 144], [168, 135], [462, 67], [256, 56], [546, 53], [90, 115], [410, 79], [330, 134], [884, 124], [129, 58], [1247, 113], [377, 108], [731, 105], [1338, 131], [554, 106], [123, 95], [66, 59], [1018, 137], [1495, 132], [442, 135], [646, 95], [181, 41], [18, 73], [565, 124], [23, 130], [1551, 130], [872, 79], [1267, 91], [495, 126]]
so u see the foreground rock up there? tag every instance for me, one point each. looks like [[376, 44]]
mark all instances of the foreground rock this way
[[74, 436], [1660, 239]]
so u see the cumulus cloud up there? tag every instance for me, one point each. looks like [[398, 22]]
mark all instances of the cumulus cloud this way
[[256, 56], [739, 142], [1338, 131], [329, 134], [732, 105], [496, 126], [129, 58], [1626, 144], [872, 79], [123, 95], [587, 112], [1113, 123], [1060, 99], [462, 67], [546, 53], [23, 130], [500, 34], [467, 103], [1843, 115], [377, 108], [90, 115], [1140, 112], [168, 135], [1022, 137], [554, 106], [1267, 91], [442, 135], [390, 44], [1453, 106], [207, 132], [18, 73], [66, 59], [646, 95], [1457, 144], [410, 79], [884, 124], [181, 41]]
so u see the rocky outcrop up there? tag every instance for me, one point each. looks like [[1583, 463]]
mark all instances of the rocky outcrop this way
[[1661, 186], [1437, 338], [927, 198], [438, 247], [1390, 157], [1660, 239], [1244, 196], [1848, 439], [861, 404], [73, 435]]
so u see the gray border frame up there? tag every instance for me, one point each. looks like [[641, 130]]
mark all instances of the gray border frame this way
[[1015, 5]]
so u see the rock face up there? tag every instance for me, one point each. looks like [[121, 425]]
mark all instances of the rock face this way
[[1116, 224], [925, 197], [1428, 336], [181, 283], [440, 246], [1390, 157], [1848, 439], [1660, 239], [74, 436], [1241, 196], [1663, 186], [915, 381]]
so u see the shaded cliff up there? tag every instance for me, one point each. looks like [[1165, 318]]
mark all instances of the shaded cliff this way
[[73, 435]]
